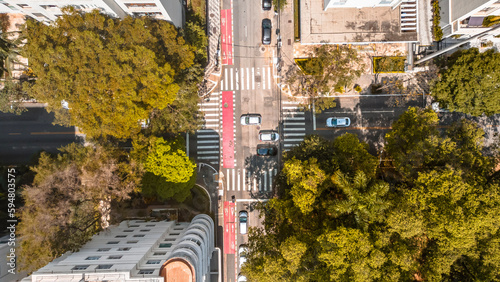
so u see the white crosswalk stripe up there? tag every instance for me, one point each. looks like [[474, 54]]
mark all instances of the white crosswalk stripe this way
[[245, 180], [208, 139], [294, 124], [244, 79]]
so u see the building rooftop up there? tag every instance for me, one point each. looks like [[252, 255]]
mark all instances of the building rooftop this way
[[350, 25]]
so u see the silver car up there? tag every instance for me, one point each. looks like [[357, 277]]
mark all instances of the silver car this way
[[269, 135], [243, 218], [338, 122], [251, 119]]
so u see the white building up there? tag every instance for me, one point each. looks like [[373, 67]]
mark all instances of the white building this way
[[49, 10], [137, 250], [465, 17], [360, 3]]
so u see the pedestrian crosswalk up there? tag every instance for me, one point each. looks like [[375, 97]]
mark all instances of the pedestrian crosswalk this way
[[208, 138], [241, 79], [294, 124], [245, 180]]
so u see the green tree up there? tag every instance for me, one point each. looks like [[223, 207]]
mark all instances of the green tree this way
[[11, 97], [65, 204], [470, 83], [113, 73]]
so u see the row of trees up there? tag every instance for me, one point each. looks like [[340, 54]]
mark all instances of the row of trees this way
[[430, 214], [113, 74]]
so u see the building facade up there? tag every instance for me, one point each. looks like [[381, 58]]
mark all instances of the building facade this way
[[465, 17], [48, 10], [137, 250], [360, 3]]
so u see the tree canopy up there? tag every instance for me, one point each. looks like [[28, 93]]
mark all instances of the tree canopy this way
[[112, 72], [337, 216], [64, 205], [470, 83]]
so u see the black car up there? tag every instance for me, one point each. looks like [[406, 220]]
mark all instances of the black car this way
[[266, 31], [267, 150], [267, 4]]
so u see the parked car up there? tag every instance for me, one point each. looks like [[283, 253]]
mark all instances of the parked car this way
[[242, 253], [268, 135], [338, 122], [251, 119], [267, 4], [243, 218], [266, 150], [242, 278], [266, 31]]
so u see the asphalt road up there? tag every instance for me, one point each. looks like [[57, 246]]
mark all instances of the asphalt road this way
[[23, 136]]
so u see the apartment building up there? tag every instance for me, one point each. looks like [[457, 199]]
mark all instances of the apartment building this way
[[360, 3], [465, 17], [48, 10], [138, 250]]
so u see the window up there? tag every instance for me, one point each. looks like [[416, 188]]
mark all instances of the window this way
[[150, 225], [120, 236], [123, 249], [23, 5], [104, 266], [113, 242], [114, 257], [80, 267], [174, 234], [165, 245], [139, 235], [133, 226], [103, 249], [169, 239], [153, 261], [128, 230], [178, 228], [146, 271], [132, 242], [159, 254], [145, 230], [93, 258]]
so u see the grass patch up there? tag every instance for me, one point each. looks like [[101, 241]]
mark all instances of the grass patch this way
[[310, 66], [198, 7], [296, 20], [389, 64]]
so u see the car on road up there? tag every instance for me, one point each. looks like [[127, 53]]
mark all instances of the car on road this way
[[266, 150], [250, 119], [242, 278], [243, 218], [338, 122], [267, 4], [242, 253], [268, 135], [266, 31]]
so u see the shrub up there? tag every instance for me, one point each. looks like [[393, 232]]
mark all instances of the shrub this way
[[296, 19], [389, 64], [358, 88], [437, 32]]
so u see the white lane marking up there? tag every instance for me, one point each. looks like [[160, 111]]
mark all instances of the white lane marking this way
[[255, 184], [293, 113], [208, 136], [294, 134], [239, 172], [227, 179], [232, 70], [225, 79], [248, 78], [290, 108], [290, 145], [242, 70], [232, 170], [244, 182], [291, 102], [265, 180], [207, 104], [209, 109], [209, 141], [260, 184], [212, 119], [293, 118], [253, 78], [293, 123], [263, 80], [295, 140], [269, 77], [237, 80], [293, 129], [212, 115], [207, 147], [270, 179], [208, 152], [208, 157], [275, 171]]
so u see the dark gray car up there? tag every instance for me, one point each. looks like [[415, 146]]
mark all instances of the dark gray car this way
[[266, 31]]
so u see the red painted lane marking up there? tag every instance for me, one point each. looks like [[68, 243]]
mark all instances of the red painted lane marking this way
[[223, 27], [229, 230], [227, 129], [229, 33]]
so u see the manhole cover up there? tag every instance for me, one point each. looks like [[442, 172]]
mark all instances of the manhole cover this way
[[212, 15], [262, 49], [226, 105]]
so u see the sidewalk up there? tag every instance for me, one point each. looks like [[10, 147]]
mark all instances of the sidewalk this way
[[213, 69]]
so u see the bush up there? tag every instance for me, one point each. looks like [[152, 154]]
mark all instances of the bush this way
[[389, 64], [437, 32], [491, 20], [339, 89], [358, 88], [310, 66], [296, 20]]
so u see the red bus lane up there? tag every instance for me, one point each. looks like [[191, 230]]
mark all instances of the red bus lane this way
[[227, 130], [226, 23], [229, 228]]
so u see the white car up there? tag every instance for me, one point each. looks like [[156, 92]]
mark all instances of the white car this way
[[242, 278], [242, 253], [251, 119], [243, 218], [338, 122], [269, 135]]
